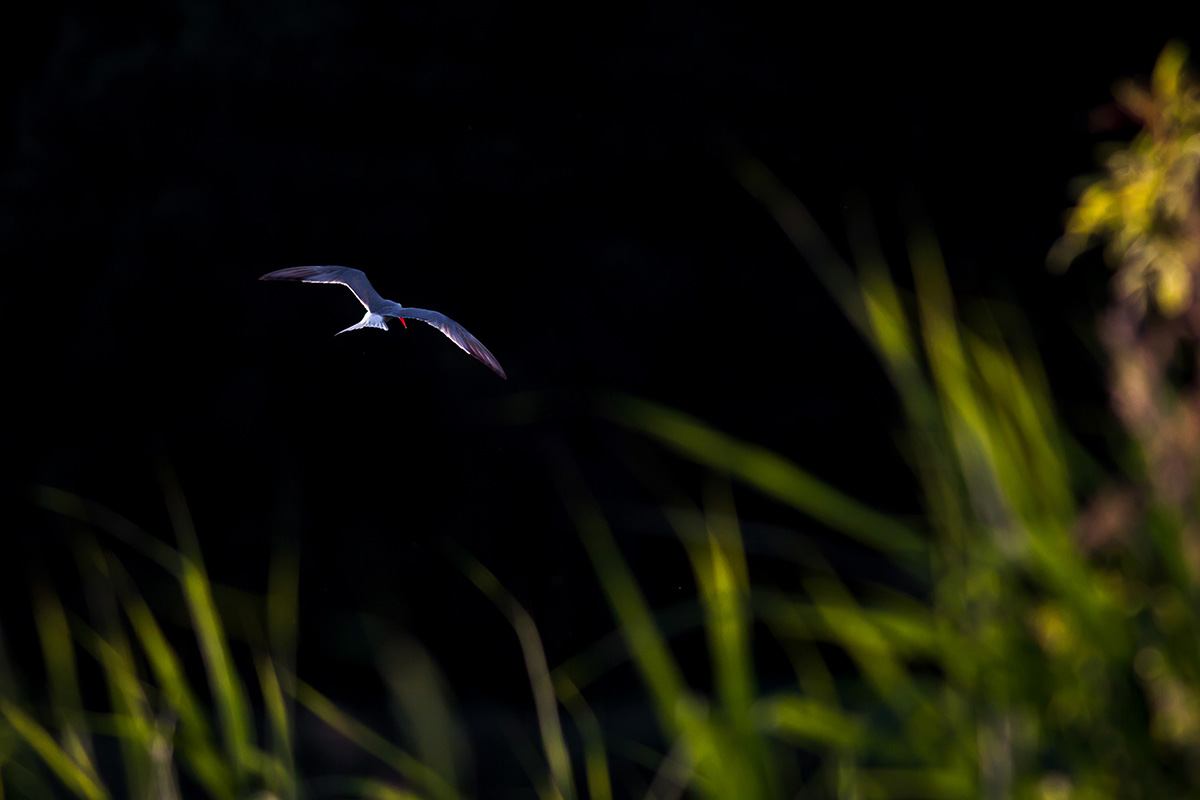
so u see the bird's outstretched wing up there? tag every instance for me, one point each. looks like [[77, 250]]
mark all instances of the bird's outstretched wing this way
[[456, 333], [354, 279]]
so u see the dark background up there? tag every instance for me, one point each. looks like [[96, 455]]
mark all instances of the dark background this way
[[556, 181]]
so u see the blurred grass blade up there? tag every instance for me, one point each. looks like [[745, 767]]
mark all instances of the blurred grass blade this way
[[719, 565], [724, 590], [728, 634], [877, 640], [78, 776], [927, 783], [368, 788], [718, 765], [795, 717], [769, 473], [805, 234], [109, 645], [228, 692], [895, 342], [422, 702], [553, 741], [281, 779], [426, 779], [283, 601], [892, 336], [58, 653], [196, 749], [872, 650], [275, 666], [177, 508], [131, 710], [74, 506], [722, 577], [675, 771], [647, 646], [966, 419], [595, 758], [164, 784]]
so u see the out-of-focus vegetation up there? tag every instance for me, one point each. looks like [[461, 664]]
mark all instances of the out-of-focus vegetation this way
[[1144, 208], [1054, 651], [1050, 650], [231, 736]]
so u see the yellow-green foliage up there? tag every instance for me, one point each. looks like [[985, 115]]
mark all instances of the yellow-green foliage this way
[[1145, 206]]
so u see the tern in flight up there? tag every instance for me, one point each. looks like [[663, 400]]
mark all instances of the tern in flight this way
[[379, 309]]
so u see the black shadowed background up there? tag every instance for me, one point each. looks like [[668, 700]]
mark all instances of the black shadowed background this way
[[557, 180]]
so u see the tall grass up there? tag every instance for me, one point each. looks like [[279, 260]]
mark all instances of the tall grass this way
[[1050, 648], [1053, 649], [230, 737]]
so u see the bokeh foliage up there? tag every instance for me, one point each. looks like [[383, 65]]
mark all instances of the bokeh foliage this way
[[1144, 207]]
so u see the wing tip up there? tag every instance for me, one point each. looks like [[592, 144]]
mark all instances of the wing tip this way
[[485, 357], [280, 275], [294, 273]]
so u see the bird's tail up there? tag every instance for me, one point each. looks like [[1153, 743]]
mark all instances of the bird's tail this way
[[369, 320]]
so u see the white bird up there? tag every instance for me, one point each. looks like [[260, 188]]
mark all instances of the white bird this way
[[378, 308]]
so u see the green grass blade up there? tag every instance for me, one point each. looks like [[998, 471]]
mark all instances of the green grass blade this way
[[647, 646], [74, 506], [423, 704], [135, 725], [58, 654], [805, 234], [109, 645], [553, 742], [719, 564], [80, 777], [723, 596], [275, 667], [804, 720], [426, 779], [281, 778], [714, 761], [877, 640], [195, 746], [228, 693], [971, 436], [595, 758], [769, 473], [283, 600]]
